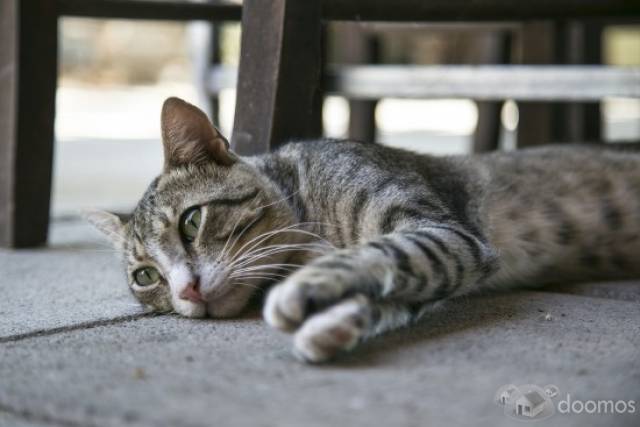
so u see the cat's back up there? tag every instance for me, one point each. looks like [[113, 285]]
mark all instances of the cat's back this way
[[353, 163], [555, 167], [578, 160], [342, 152], [564, 211]]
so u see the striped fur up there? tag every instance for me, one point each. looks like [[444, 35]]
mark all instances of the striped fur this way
[[381, 233], [417, 229]]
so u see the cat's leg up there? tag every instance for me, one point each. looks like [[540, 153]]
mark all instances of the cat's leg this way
[[422, 264]]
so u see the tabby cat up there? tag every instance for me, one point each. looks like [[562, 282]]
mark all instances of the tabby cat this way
[[362, 237]]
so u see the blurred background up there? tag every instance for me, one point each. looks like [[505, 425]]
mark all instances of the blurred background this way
[[114, 76]]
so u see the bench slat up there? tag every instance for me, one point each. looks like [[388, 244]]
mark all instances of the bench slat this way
[[531, 83], [483, 82]]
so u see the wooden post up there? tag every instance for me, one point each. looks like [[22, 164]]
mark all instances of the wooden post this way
[[570, 43], [581, 122], [496, 49], [214, 59], [28, 74], [535, 122], [279, 94], [357, 46]]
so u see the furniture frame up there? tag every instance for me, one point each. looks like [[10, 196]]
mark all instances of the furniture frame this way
[[28, 80], [281, 81]]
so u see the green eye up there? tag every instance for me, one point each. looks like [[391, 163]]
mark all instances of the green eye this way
[[146, 276], [190, 223]]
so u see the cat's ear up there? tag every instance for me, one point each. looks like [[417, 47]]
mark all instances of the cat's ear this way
[[110, 224], [189, 137]]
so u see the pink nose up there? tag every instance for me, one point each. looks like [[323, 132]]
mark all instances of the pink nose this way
[[192, 292]]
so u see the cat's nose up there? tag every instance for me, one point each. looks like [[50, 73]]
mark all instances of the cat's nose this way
[[192, 292]]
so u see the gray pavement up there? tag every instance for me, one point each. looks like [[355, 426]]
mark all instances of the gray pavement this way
[[76, 351], [74, 281]]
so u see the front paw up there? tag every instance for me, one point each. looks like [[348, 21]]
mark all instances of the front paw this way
[[333, 331], [302, 294]]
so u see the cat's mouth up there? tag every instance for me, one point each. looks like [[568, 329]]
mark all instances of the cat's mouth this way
[[219, 294], [215, 287], [221, 297], [228, 302]]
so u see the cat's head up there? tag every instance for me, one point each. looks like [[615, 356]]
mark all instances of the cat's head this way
[[194, 242]]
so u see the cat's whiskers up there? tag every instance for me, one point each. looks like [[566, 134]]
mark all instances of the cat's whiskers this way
[[249, 285], [223, 251], [309, 245], [268, 266], [260, 272], [265, 278], [258, 276], [254, 261], [261, 238], [269, 234], [271, 250], [290, 228], [262, 275]]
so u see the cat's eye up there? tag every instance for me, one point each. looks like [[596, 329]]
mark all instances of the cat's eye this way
[[146, 276], [190, 223]]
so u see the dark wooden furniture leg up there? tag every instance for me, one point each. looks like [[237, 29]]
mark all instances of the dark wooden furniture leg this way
[[360, 47], [567, 43], [279, 94], [487, 134], [214, 60], [496, 50], [28, 74], [536, 119], [582, 45]]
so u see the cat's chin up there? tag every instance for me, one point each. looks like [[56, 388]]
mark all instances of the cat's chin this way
[[231, 304], [189, 309]]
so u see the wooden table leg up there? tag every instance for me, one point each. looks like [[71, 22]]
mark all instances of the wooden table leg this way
[[28, 74], [279, 94]]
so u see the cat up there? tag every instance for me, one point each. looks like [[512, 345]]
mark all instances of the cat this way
[[360, 238]]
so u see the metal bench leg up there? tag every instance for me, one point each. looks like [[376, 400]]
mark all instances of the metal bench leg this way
[[28, 74], [279, 94]]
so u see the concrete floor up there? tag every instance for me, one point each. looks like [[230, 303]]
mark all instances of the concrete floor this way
[[75, 350]]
